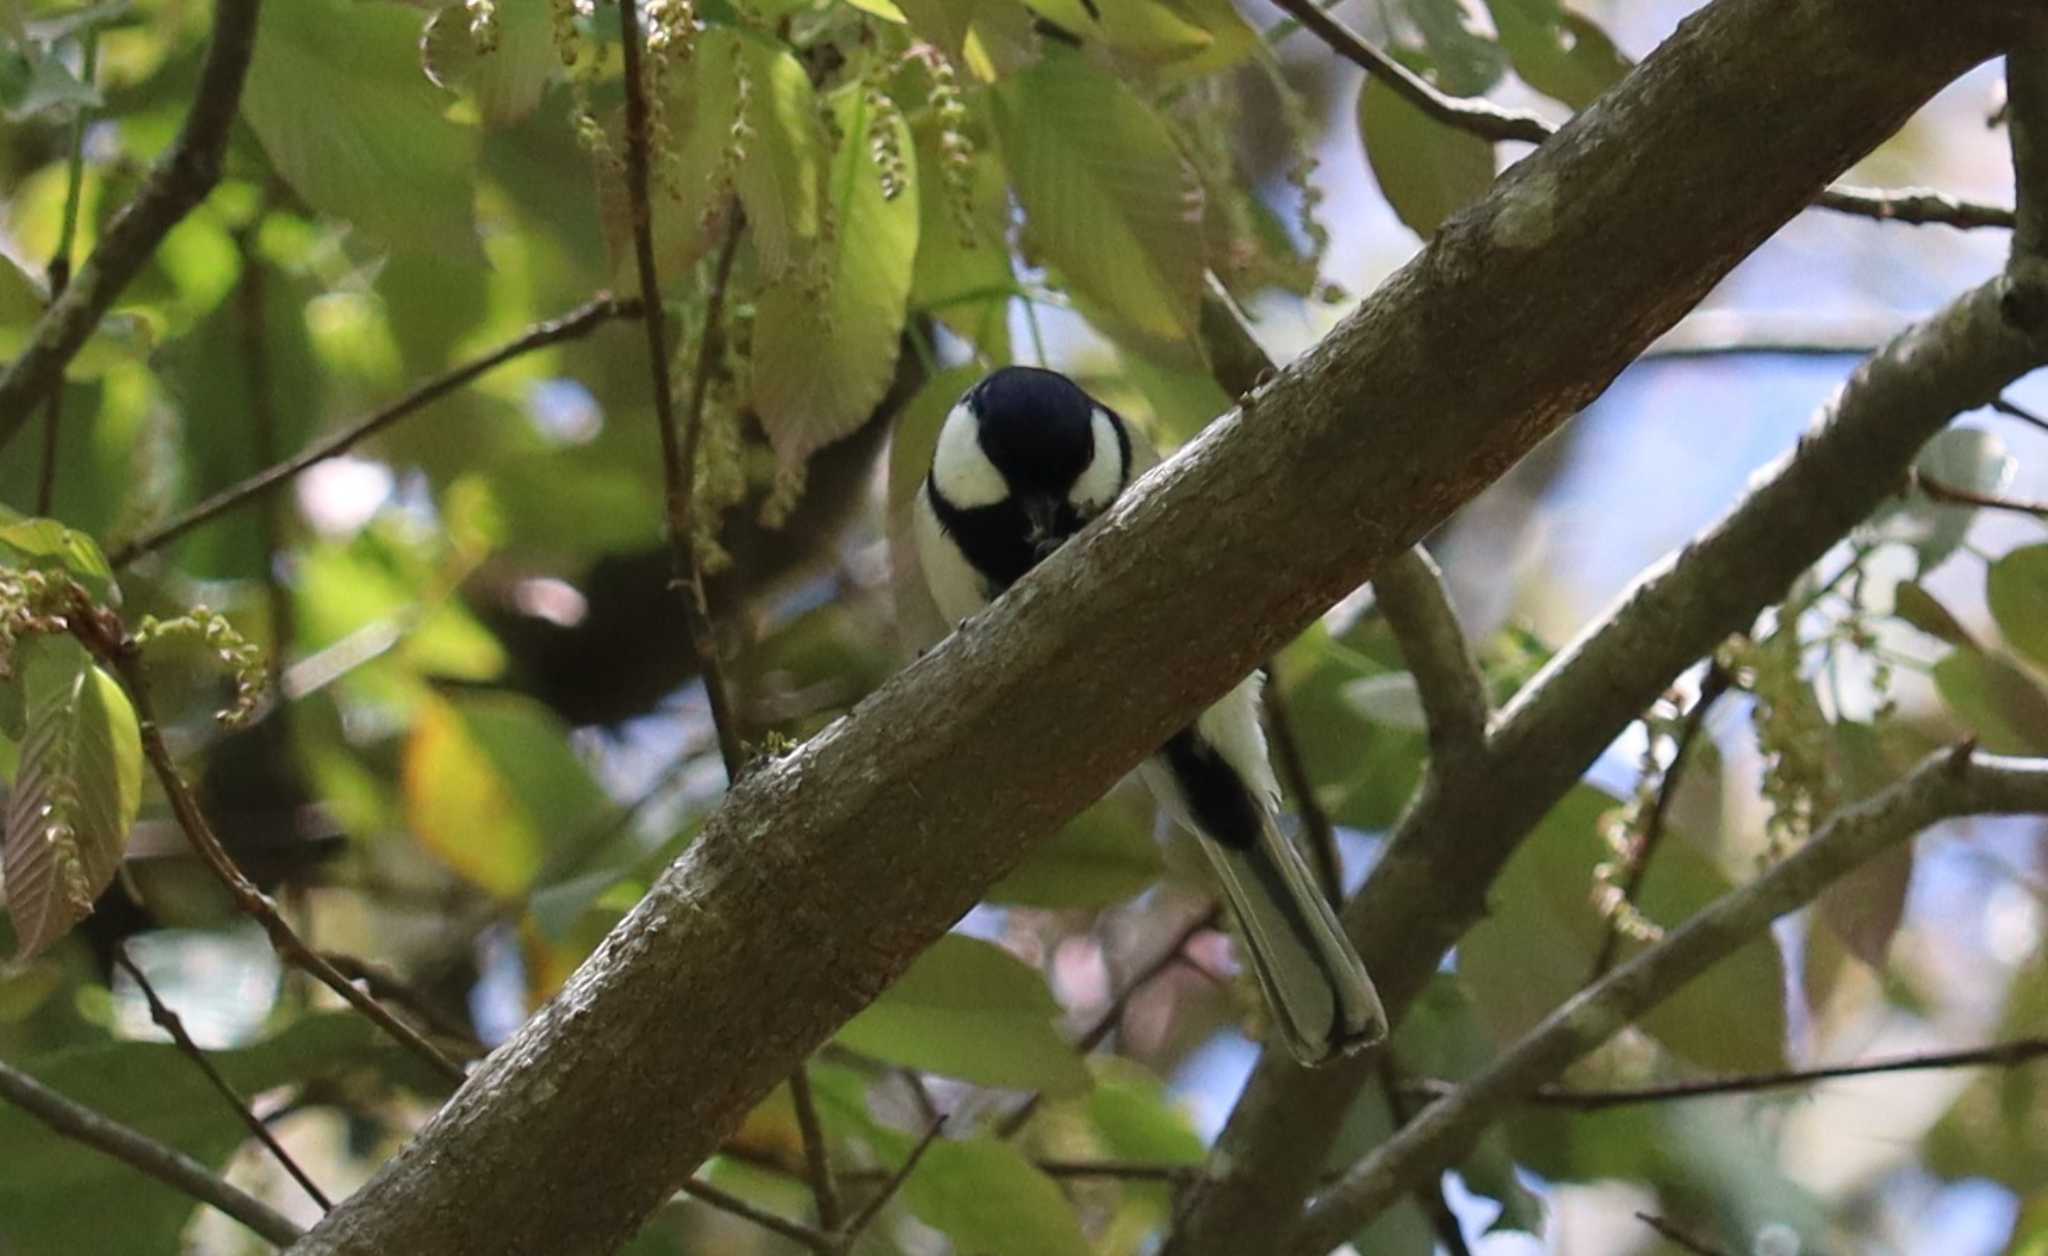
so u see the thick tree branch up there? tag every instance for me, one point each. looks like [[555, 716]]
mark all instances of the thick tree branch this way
[[168, 1165], [1948, 784], [827, 870], [1431, 885], [179, 181], [2026, 85]]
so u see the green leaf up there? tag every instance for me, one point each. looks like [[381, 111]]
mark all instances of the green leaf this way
[[1104, 855], [34, 80], [1426, 170], [963, 274], [509, 80], [2002, 705], [1998, 1127], [1913, 603], [1967, 458], [46, 545], [1563, 55], [336, 97], [988, 1197], [1108, 201], [821, 366], [1362, 772], [969, 1009], [1141, 29], [60, 1198], [1139, 1121], [75, 792], [1537, 944], [2017, 589], [781, 180], [491, 784], [1465, 63]]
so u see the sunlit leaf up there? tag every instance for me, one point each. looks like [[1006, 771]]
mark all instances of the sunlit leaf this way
[[971, 1010], [821, 365], [1426, 170], [375, 150], [963, 274], [507, 81], [75, 792], [782, 177], [1107, 199], [2017, 589], [988, 1197], [47, 545]]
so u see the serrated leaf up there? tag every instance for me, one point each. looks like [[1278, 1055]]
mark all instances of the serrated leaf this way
[[1103, 856], [1426, 170], [1537, 945], [2017, 589], [1913, 603], [989, 1198], [782, 179], [336, 97], [61, 1198], [963, 275], [75, 792], [507, 81], [2002, 705], [1566, 56], [821, 366], [969, 1009], [1108, 201], [46, 545], [491, 783]]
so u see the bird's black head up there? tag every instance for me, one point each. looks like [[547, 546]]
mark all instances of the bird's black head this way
[[1023, 461]]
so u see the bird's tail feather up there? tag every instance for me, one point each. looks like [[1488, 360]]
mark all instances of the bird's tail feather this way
[[1322, 999]]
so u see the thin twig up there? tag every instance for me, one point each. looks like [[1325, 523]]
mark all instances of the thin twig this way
[[1430, 1195], [384, 984], [181, 178], [171, 1023], [139, 1151], [873, 1208], [1488, 121], [1941, 492], [2010, 410], [1113, 1015], [817, 1155], [1315, 821], [1712, 686], [102, 633], [60, 267], [1673, 1234], [1411, 592], [1478, 117], [577, 322], [810, 1236], [2010, 1054]]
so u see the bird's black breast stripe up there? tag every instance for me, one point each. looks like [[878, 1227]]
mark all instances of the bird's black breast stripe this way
[[1217, 797], [996, 539]]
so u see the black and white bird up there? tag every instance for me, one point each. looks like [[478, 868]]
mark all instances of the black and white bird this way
[[1024, 461]]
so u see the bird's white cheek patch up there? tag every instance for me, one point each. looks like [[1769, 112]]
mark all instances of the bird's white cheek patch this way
[[1103, 478], [963, 473]]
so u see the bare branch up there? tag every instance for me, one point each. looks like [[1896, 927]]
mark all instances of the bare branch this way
[[2010, 410], [179, 181], [101, 632], [577, 322], [1417, 606], [1998, 1055], [1964, 497], [1945, 785], [725, 1201], [873, 1208], [168, 1165], [1915, 207], [817, 1156], [174, 1025], [1677, 1236]]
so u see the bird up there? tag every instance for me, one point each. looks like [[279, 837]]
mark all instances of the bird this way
[[1024, 461]]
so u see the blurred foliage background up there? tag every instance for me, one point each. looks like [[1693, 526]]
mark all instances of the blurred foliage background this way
[[485, 733]]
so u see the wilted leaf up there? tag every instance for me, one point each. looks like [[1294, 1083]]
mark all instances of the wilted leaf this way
[[2017, 588], [1104, 855], [822, 364], [970, 1009], [989, 1198], [491, 784], [75, 792], [509, 80], [1109, 203], [374, 149], [1537, 944], [1427, 171]]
